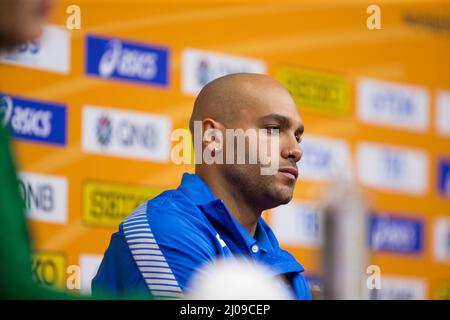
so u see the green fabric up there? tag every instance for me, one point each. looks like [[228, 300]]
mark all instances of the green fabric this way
[[15, 252], [16, 281]]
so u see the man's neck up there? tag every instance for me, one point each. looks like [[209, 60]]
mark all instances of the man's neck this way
[[242, 210]]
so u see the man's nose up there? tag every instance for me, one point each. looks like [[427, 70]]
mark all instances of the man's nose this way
[[293, 151]]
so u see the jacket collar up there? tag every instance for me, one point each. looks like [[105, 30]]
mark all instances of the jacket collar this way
[[219, 216], [214, 209], [196, 189]]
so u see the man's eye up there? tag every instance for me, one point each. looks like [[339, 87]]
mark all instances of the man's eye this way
[[273, 130]]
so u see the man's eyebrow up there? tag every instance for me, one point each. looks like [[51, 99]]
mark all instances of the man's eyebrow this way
[[285, 121], [278, 117]]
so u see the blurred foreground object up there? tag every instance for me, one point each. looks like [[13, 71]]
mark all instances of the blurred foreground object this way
[[236, 280], [345, 230], [22, 21]]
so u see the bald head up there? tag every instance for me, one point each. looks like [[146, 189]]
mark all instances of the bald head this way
[[264, 111], [227, 98]]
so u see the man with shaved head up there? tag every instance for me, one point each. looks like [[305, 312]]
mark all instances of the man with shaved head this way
[[216, 212]]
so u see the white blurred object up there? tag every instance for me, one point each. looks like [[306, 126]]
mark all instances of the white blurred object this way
[[236, 280], [345, 253]]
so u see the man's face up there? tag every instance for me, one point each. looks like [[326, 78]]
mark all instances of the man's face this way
[[21, 20], [271, 109]]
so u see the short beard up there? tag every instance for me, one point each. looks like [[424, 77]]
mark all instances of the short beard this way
[[259, 191]]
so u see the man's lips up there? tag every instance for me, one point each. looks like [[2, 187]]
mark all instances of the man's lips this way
[[290, 172]]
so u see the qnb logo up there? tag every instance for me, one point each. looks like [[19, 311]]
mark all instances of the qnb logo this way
[[37, 197], [127, 62], [200, 67], [103, 130], [121, 133], [130, 134], [393, 103], [45, 196], [25, 121], [203, 73], [393, 166], [126, 133]]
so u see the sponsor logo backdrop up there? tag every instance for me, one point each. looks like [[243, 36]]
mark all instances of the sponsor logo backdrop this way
[[91, 111]]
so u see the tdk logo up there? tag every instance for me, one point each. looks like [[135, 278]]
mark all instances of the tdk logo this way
[[33, 120], [444, 177], [394, 105], [123, 60], [396, 234], [398, 105]]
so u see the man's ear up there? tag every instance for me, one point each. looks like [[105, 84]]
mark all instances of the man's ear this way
[[212, 134], [209, 129]]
